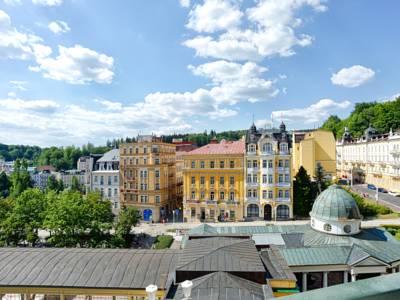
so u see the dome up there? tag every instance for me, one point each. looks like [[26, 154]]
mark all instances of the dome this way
[[335, 211]]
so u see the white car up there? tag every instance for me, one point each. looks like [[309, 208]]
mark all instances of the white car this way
[[396, 194]]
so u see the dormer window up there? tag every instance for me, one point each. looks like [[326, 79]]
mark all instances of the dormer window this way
[[267, 147], [251, 148]]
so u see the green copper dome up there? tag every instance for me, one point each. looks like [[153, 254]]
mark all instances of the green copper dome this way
[[335, 204]]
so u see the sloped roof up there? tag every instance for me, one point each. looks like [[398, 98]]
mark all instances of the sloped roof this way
[[220, 254], [225, 286], [112, 155], [308, 256], [276, 265], [224, 147], [86, 268]]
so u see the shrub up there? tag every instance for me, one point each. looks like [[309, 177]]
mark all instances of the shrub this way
[[163, 242], [370, 209]]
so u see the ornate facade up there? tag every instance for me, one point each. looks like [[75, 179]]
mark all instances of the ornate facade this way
[[268, 183]]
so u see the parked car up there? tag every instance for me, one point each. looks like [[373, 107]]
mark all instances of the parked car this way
[[396, 194], [382, 190], [371, 187]]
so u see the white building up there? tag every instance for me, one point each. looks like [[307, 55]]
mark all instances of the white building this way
[[68, 175], [373, 158], [40, 179], [105, 177]]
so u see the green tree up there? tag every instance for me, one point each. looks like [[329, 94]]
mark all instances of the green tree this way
[[4, 185], [320, 180], [54, 185], [20, 178], [75, 185], [128, 218], [26, 217], [304, 193]]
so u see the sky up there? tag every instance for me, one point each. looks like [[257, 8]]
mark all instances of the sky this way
[[78, 71]]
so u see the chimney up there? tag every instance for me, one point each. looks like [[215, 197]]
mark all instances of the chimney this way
[[151, 291], [187, 288]]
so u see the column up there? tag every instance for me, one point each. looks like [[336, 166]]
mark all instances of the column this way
[[345, 276], [325, 279], [304, 281], [393, 270], [353, 275]]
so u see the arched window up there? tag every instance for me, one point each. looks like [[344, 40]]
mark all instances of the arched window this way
[[252, 210], [282, 212], [347, 228], [267, 147]]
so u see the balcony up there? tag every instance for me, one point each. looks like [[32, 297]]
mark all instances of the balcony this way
[[283, 199], [252, 184], [283, 170], [283, 184], [252, 170]]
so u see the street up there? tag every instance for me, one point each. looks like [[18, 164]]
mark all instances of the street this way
[[384, 198]]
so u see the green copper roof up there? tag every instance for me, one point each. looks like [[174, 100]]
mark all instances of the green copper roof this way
[[383, 287], [335, 204]]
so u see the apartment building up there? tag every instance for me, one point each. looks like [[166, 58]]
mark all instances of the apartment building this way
[[312, 148], [105, 178], [373, 158], [213, 182], [68, 175], [148, 177], [268, 185]]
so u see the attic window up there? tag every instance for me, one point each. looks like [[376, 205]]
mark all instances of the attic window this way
[[347, 228], [327, 227]]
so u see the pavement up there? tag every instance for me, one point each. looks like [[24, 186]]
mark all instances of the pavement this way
[[384, 198]]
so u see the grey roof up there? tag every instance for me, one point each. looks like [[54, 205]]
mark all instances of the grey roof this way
[[268, 239], [276, 264], [383, 287], [86, 268], [220, 254], [112, 155], [335, 204], [225, 286]]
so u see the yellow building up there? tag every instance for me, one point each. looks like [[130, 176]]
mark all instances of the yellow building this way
[[213, 182], [268, 184], [373, 158], [148, 177], [311, 148]]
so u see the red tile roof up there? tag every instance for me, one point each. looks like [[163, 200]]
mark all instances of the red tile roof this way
[[224, 147]]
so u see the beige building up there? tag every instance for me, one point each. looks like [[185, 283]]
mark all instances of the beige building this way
[[268, 180], [373, 158], [148, 177], [313, 147], [213, 182]]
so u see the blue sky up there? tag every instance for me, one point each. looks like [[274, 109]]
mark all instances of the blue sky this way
[[77, 71]]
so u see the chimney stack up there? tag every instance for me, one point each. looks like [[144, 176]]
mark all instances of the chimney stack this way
[[151, 291], [187, 288]]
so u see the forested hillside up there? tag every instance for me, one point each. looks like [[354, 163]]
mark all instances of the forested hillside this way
[[381, 115]]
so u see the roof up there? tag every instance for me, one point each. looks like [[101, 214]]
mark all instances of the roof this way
[[86, 268], [225, 286], [308, 256], [276, 265], [335, 204], [223, 147], [381, 287], [220, 254], [112, 155]]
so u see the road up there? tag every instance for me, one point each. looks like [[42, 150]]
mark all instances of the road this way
[[384, 198]]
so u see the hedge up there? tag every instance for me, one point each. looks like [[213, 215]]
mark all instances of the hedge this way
[[163, 242]]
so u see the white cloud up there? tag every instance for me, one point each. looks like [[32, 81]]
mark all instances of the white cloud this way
[[12, 94], [47, 2], [184, 3], [12, 2], [58, 27], [15, 44], [109, 105], [353, 76], [18, 84], [315, 113], [214, 15], [77, 65], [270, 30], [34, 105]]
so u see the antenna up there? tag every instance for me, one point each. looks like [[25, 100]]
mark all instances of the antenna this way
[[253, 118]]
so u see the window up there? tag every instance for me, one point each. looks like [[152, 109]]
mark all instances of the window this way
[[95, 179], [193, 164], [232, 214], [287, 194], [264, 194], [222, 164], [193, 212], [202, 180], [101, 180], [157, 161], [231, 164], [249, 164], [202, 164], [254, 193], [347, 228], [248, 178], [267, 147], [264, 163], [157, 173], [280, 163], [280, 194], [251, 148], [115, 192], [193, 180], [211, 195], [255, 164], [264, 178], [327, 227], [287, 178], [193, 195], [109, 192], [282, 212], [249, 193], [109, 180], [144, 149], [212, 164], [283, 147], [145, 161], [116, 178], [222, 180], [212, 213], [255, 179], [252, 210], [280, 178], [270, 178], [286, 163], [158, 199], [212, 180], [270, 195], [232, 196], [202, 195], [231, 180], [157, 186], [270, 164], [221, 195]]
